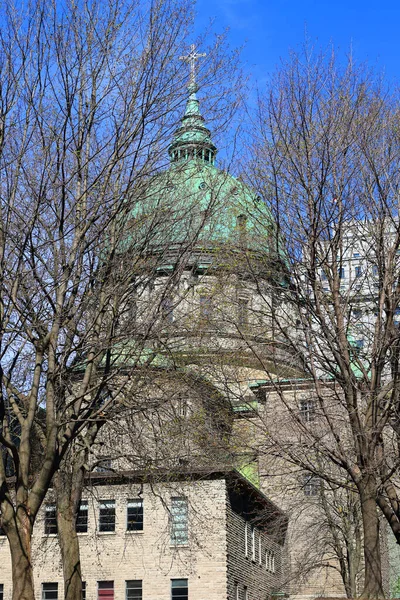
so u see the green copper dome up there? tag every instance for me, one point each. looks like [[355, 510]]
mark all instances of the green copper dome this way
[[195, 206]]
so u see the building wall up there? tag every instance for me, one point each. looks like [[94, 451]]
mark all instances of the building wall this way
[[146, 555], [248, 568]]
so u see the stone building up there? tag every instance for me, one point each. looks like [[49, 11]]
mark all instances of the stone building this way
[[191, 535]]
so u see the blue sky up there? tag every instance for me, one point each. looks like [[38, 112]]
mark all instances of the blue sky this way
[[270, 28]]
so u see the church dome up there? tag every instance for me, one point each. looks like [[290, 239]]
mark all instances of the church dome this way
[[196, 206]]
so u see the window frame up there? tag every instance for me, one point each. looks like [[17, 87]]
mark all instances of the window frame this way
[[130, 525], [179, 521], [103, 516], [101, 587], [50, 522], [183, 596], [128, 589], [44, 590], [82, 520]]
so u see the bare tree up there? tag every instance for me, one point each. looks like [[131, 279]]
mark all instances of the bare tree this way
[[88, 96], [326, 157]]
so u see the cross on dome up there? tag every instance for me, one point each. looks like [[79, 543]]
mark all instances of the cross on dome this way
[[191, 59]]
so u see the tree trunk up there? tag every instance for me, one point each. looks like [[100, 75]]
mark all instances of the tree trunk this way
[[373, 587], [19, 537], [69, 543]]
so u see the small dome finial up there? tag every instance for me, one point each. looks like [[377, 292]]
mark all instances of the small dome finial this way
[[191, 59]]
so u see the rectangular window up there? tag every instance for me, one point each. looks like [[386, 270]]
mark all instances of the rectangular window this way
[[307, 410], [259, 549], [356, 255], [358, 271], [134, 516], [82, 517], [49, 591], [179, 589], [243, 312], [1, 591], [167, 310], [2, 532], [105, 589], [246, 543], [253, 543], [323, 276], [375, 271], [237, 595], [50, 520], [341, 273], [104, 465], [134, 589], [245, 594], [179, 521], [83, 590], [206, 307], [311, 485], [107, 515]]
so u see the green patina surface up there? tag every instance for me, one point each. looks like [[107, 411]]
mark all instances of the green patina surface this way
[[195, 203]]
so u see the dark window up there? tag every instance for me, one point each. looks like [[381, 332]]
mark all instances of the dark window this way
[[358, 346], [341, 273], [1, 591], [358, 271], [323, 276], [206, 307], [104, 465], [83, 590], [49, 591], [179, 589], [357, 313], [356, 255], [375, 271], [105, 590], [107, 515], [179, 521], [311, 485], [134, 517], [307, 410], [134, 589], [243, 305], [50, 520], [167, 310], [82, 517]]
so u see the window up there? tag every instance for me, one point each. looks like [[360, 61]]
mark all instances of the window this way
[[83, 590], [307, 410], [105, 590], [167, 310], [179, 521], [375, 271], [311, 485], [341, 273], [259, 549], [49, 591], [82, 517], [357, 313], [358, 271], [179, 589], [356, 255], [246, 544], [243, 305], [1, 591], [237, 596], [206, 307], [358, 346], [134, 589], [270, 561], [104, 465], [107, 515], [50, 520], [253, 543], [245, 595], [323, 276], [134, 516]]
